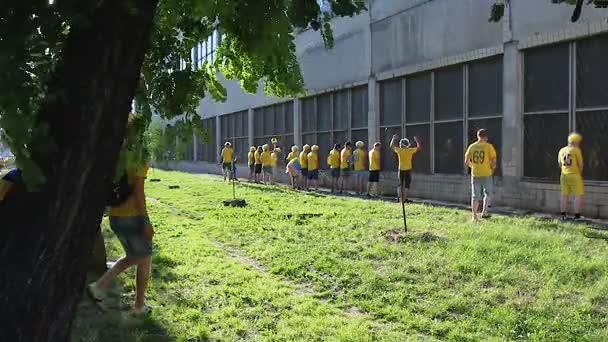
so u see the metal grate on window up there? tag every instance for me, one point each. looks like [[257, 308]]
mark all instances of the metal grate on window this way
[[485, 87], [546, 78], [390, 102], [280, 119], [494, 128], [449, 93], [324, 112], [340, 119], [339, 137], [324, 142], [422, 159], [269, 120], [389, 158], [309, 117], [310, 139], [359, 107], [594, 128], [258, 122], [591, 72], [418, 98], [449, 154], [540, 148], [288, 109], [361, 134]]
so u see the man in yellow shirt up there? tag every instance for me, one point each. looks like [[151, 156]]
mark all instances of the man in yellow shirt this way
[[274, 162], [227, 160], [293, 154], [251, 162], [266, 164], [570, 159], [481, 158], [359, 157], [375, 158], [313, 167], [405, 153], [333, 160], [304, 165], [345, 164], [258, 162]]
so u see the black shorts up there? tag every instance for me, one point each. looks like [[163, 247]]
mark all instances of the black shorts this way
[[313, 174], [251, 168], [345, 172], [227, 166], [258, 168], [305, 172], [374, 176], [335, 173], [405, 178]]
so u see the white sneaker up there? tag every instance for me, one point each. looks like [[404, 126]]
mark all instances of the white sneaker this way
[[95, 293]]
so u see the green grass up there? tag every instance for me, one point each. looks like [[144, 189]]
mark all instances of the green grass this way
[[270, 272]]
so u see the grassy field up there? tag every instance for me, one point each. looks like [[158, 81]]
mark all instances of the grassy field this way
[[298, 266]]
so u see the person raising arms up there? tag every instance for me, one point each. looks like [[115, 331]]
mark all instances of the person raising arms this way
[[405, 153]]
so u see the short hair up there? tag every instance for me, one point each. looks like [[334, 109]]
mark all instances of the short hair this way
[[482, 133], [377, 144], [337, 146], [347, 144]]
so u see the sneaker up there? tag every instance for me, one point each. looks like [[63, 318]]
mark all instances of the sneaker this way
[[486, 216], [564, 218], [95, 293]]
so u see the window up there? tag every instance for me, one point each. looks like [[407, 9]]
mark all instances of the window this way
[[206, 49], [359, 108], [391, 108], [235, 130], [560, 101], [418, 118], [449, 94], [449, 117], [206, 150]]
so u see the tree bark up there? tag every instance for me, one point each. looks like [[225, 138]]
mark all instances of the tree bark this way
[[98, 259], [47, 236]]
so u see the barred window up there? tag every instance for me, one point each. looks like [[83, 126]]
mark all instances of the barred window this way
[[359, 109], [485, 87], [324, 112], [540, 148], [449, 154], [235, 130], [341, 110], [448, 93], [275, 121], [206, 150], [309, 115], [546, 80], [390, 102], [418, 98], [422, 158]]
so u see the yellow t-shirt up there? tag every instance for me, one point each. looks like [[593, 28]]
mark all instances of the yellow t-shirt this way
[[405, 154], [274, 159], [481, 157], [333, 160], [313, 161], [227, 154], [251, 158], [359, 157], [569, 159], [374, 160], [129, 208], [258, 157], [266, 158], [345, 158], [304, 160], [292, 155]]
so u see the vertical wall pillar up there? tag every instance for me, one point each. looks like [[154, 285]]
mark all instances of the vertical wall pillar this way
[[512, 122], [218, 138], [194, 147], [297, 120], [250, 132], [373, 115]]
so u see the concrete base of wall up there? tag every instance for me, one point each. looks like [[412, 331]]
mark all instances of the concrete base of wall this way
[[509, 192]]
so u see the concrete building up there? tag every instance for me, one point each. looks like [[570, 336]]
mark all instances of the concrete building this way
[[439, 70]]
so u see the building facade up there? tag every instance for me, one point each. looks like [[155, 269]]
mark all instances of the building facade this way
[[438, 69]]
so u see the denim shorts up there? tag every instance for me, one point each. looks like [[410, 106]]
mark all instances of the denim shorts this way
[[481, 187], [360, 174], [335, 173], [130, 232]]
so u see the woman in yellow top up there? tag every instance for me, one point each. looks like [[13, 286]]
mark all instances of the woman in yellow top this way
[[131, 224], [293, 154], [274, 162], [405, 153], [345, 164], [313, 166], [227, 160], [251, 162], [258, 162], [375, 156], [304, 165], [333, 160], [359, 158], [266, 163]]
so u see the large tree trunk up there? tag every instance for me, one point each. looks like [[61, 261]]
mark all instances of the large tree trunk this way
[[46, 237]]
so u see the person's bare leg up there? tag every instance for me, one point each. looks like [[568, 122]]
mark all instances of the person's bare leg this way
[[563, 205], [405, 193], [578, 204], [141, 281], [486, 202], [120, 266], [474, 206]]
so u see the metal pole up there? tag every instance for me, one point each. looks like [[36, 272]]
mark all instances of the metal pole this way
[[404, 220]]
